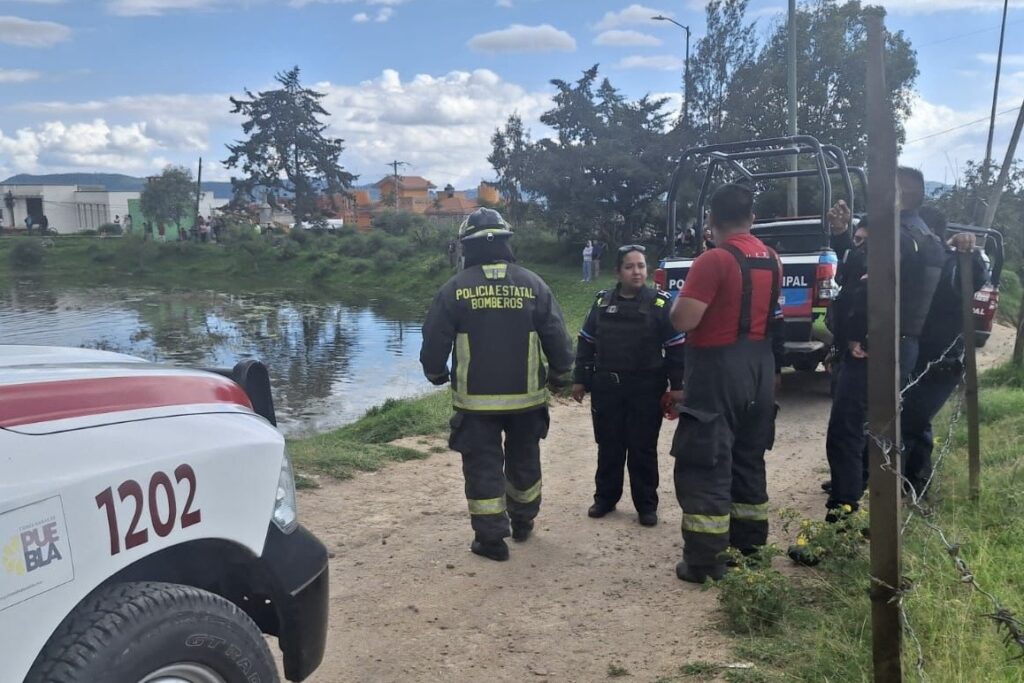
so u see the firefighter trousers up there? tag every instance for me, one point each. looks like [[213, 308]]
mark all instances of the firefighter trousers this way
[[726, 423], [501, 467], [626, 411]]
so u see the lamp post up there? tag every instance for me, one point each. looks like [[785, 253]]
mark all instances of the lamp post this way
[[686, 67]]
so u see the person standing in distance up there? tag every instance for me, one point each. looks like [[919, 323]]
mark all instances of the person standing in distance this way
[[498, 322], [627, 354], [729, 308]]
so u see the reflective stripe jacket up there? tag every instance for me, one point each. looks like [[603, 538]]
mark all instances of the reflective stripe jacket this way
[[505, 328]]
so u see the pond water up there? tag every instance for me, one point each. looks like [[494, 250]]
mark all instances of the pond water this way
[[328, 362]]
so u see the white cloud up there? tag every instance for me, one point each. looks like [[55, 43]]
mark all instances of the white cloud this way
[[659, 62], [1008, 59], [361, 18], [442, 125], [519, 38], [28, 33], [503, 3], [138, 8], [18, 75], [620, 38], [933, 6], [632, 15], [384, 14]]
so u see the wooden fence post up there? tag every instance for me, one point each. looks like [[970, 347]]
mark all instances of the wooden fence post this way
[[883, 363], [966, 267]]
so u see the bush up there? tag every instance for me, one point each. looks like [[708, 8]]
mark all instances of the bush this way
[[753, 596], [109, 229], [299, 236], [27, 254]]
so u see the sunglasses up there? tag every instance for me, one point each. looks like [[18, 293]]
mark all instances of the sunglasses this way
[[626, 248]]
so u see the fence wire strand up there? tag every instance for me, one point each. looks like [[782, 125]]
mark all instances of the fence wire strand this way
[[1005, 621]]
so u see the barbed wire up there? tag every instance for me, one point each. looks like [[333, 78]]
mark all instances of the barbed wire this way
[[1003, 617]]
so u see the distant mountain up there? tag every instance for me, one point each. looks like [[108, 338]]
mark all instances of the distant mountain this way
[[115, 182]]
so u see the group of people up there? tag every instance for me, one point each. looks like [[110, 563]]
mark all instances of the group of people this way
[[711, 357]]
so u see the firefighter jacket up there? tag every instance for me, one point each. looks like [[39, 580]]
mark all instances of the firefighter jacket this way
[[630, 336], [506, 328]]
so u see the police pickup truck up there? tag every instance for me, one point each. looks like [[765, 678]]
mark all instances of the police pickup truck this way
[[802, 243], [148, 529]]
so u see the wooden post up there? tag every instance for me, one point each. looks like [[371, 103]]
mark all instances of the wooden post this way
[[883, 362], [971, 366]]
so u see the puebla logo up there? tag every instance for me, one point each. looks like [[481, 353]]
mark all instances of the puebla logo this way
[[34, 547]]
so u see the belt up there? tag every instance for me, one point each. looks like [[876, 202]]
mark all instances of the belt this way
[[633, 375]]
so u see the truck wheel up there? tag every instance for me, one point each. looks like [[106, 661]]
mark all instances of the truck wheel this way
[[155, 633], [806, 365]]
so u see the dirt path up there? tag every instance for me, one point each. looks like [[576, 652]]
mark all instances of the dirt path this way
[[409, 602]]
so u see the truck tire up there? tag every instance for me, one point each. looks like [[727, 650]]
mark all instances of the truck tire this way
[[148, 632], [809, 365]]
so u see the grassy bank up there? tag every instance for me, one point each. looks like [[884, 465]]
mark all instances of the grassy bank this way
[[817, 623]]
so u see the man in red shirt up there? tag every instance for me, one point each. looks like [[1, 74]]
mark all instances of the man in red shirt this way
[[729, 308]]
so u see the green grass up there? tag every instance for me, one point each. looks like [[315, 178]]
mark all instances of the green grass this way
[[825, 634], [1009, 297]]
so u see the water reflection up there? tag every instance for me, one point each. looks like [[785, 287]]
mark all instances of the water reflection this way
[[328, 362]]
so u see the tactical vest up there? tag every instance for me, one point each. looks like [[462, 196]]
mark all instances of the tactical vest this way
[[917, 286], [627, 334]]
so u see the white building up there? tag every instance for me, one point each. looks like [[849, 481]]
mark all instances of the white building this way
[[74, 208]]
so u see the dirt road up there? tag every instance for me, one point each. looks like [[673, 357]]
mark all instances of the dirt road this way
[[409, 602]]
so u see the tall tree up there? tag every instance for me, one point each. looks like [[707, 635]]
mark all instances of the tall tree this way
[[729, 46], [286, 147], [169, 197], [512, 158], [831, 49]]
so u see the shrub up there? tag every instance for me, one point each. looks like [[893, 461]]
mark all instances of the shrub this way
[[298, 235], [109, 229], [27, 254], [753, 596]]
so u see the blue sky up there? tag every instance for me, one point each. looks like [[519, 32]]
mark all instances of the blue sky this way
[[132, 85]]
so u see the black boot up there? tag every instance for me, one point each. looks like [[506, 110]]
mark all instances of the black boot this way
[[492, 550], [522, 530], [600, 509], [649, 518], [699, 573]]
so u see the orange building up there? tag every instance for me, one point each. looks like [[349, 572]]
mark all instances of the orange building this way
[[406, 193]]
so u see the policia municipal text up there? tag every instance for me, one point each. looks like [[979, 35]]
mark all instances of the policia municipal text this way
[[498, 322], [627, 353], [729, 308]]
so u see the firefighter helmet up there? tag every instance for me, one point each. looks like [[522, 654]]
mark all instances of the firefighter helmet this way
[[484, 223]]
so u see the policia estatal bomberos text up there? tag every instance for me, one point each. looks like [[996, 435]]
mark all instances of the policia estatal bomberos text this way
[[498, 322], [729, 308]]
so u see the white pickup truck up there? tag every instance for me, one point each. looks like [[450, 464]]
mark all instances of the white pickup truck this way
[[148, 528]]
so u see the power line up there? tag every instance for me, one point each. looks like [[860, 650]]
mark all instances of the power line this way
[[969, 33], [962, 125]]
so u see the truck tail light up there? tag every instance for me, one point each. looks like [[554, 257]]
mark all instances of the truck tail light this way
[[661, 280], [825, 287]]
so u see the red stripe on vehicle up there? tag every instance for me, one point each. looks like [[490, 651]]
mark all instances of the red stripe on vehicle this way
[[45, 401]]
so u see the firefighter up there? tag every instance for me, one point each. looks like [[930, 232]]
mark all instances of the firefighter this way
[[627, 354], [729, 308], [502, 321]]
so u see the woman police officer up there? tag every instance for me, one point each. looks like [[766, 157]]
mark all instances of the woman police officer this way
[[627, 354]]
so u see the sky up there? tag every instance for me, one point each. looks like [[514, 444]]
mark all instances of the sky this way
[[130, 86]]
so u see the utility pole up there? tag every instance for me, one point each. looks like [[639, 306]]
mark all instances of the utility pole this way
[[792, 203], [883, 364], [397, 178], [1004, 172], [199, 189], [995, 98]]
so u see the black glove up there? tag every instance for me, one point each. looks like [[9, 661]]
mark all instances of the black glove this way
[[440, 379]]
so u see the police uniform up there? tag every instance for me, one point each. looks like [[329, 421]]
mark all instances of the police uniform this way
[[921, 262], [502, 328], [940, 347], [626, 355], [727, 418]]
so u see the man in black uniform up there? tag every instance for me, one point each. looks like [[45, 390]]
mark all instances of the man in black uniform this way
[[502, 321], [627, 353], [940, 360], [921, 261], [729, 308]]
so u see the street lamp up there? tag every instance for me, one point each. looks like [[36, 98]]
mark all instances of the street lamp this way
[[686, 67]]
